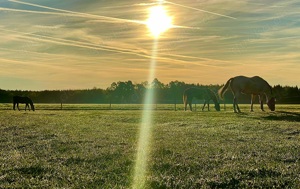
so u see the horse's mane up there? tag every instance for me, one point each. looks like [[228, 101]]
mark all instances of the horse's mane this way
[[270, 87]]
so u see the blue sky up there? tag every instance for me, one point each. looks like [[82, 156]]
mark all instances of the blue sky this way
[[79, 44]]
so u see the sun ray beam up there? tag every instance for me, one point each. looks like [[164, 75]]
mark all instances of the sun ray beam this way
[[143, 150]]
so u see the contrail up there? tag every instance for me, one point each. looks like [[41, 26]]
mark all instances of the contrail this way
[[201, 10], [74, 43], [86, 15], [29, 63], [77, 13], [79, 44], [38, 12], [72, 14], [45, 57]]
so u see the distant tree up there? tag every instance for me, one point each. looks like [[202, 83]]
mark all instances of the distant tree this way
[[127, 92], [176, 89], [140, 90], [111, 92], [158, 88], [121, 91], [287, 94]]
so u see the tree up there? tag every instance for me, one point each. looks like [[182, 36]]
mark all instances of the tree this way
[[122, 91], [158, 88], [140, 90], [176, 89]]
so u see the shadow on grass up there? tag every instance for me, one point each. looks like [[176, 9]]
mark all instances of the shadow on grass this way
[[265, 178], [283, 116], [33, 171]]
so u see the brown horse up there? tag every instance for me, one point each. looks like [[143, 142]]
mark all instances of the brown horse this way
[[249, 85], [22, 100], [205, 94]]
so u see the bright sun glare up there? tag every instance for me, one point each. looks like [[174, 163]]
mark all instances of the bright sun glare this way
[[158, 21]]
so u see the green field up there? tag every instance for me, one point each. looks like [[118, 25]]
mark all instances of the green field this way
[[92, 146]]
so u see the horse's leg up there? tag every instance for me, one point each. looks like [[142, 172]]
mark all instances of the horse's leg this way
[[18, 106], [237, 106], [235, 103], [26, 106], [190, 104], [204, 105], [252, 101], [261, 103], [208, 105], [184, 102], [14, 106], [189, 101]]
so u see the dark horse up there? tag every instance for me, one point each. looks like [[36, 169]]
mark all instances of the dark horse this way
[[249, 85], [22, 100], [207, 94]]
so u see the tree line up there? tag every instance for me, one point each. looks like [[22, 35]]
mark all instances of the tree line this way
[[127, 92]]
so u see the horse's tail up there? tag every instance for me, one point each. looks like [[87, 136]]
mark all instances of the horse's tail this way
[[223, 89]]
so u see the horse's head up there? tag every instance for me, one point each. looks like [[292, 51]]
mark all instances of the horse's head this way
[[217, 106], [271, 104]]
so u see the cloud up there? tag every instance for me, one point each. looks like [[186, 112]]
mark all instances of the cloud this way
[[94, 43]]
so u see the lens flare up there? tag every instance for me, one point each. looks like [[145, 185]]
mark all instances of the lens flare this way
[[143, 150], [157, 23]]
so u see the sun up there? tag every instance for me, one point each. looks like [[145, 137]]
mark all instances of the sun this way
[[158, 21]]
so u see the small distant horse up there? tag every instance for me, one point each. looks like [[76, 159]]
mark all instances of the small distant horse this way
[[207, 94], [249, 85], [22, 100]]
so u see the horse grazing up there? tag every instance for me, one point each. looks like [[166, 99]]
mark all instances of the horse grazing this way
[[256, 86], [207, 94], [22, 100]]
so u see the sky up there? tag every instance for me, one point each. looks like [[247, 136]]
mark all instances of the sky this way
[[82, 44]]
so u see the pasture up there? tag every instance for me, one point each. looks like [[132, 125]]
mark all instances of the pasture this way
[[90, 146]]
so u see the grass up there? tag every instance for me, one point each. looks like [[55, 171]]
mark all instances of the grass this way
[[87, 146]]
